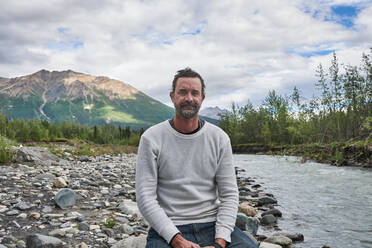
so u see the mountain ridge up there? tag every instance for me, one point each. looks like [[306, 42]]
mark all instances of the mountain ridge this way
[[75, 96]]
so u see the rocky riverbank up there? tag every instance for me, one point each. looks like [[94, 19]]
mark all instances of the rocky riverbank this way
[[47, 201]]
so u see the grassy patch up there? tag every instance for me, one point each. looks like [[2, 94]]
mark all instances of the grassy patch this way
[[80, 148], [109, 113]]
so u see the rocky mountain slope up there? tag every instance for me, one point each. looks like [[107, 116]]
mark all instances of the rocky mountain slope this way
[[85, 99], [213, 112]]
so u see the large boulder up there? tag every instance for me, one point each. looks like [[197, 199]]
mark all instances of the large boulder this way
[[246, 223], [65, 198], [294, 236], [266, 200], [129, 207], [37, 155], [268, 219], [269, 245], [274, 211], [131, 242], [279, 240], [42, 241], [247, 209]]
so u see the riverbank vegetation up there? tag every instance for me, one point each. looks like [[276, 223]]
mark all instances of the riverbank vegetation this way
[[85, 140], [339, 118]]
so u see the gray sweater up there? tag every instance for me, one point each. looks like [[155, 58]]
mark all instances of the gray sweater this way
[[186, 178]]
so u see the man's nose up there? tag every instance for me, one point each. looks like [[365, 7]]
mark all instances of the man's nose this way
[[188, 97]]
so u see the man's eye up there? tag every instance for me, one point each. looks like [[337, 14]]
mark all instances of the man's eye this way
[[182, 92], [195, 93]]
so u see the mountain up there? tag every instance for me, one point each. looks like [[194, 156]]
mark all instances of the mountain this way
[[213, 112], [74, 96]]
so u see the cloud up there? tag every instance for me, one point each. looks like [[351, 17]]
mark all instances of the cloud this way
[[243, 49]]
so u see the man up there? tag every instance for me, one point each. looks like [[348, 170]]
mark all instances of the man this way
[[185, 180]]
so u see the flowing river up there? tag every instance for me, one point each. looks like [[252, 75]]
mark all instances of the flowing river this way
[[329, 205]]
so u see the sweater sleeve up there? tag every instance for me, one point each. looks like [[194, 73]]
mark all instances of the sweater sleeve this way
[[146, 185], [228, 193]]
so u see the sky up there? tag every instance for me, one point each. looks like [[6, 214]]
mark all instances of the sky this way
[[242, 48]]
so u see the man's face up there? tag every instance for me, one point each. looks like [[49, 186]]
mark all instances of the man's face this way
[[187, 96]]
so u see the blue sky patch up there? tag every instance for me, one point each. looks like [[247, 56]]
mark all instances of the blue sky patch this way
[[196, 32], [344, 15], [308, 54], [314, 53], [63, 30], [65, 46]]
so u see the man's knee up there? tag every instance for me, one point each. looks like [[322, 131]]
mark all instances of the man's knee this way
[[154, 240], [239, 239]]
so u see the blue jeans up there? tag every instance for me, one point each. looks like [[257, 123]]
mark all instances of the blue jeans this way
[[201, 234]]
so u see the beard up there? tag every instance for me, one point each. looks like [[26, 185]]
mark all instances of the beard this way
[[187, 110]]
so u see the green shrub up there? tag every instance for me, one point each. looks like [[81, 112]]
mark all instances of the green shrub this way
[[6, 152], [109, 223]]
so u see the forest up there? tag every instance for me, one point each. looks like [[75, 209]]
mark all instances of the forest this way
[[341, 112]]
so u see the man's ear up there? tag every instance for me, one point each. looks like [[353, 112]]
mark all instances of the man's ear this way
[[171, 95]]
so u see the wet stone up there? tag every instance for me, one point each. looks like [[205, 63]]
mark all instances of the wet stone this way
[[12, 212], [80, 218], [47, 209], [40, 241], [268, 219], [23, 206], [65, 198], [83, 226], [274, 211], [266, 200]]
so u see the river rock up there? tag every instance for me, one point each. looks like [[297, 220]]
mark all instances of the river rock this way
[[274, 211], [246, 223], [131, 242], [65, 198], [80, 218], [294, 236], [38, 155], [12, 212], [83, 226], [266, 200], [269, 245], [42, 241], [129, 207], [47, 209], [46, 176], [125, 228], [84, 159], [82, 245], [268, 219], [21, 244], [59, 182], [279, 240], [35, 215], [22, 206], [247, 210]]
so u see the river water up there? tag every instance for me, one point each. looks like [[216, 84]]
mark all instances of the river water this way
[[329, 205]]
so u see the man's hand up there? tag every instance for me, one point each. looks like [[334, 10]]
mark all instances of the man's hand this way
[[180, 242], [221, 242]]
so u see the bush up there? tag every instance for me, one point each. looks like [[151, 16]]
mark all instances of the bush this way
[[6, 152]]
